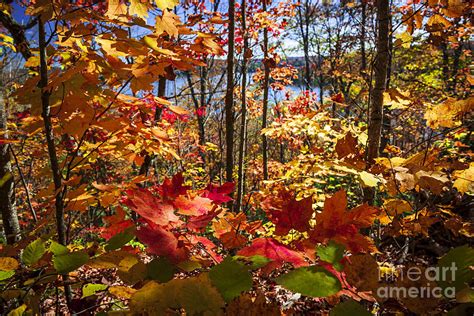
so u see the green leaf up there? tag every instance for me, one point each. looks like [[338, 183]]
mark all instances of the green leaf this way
[[90, 289], [120, 239], [161, 270], [5, 178], [310, 281], [69, 262], [58, 249], [332, 253], [454, 268], [6, 274], [349, 308], [33, 252], [231, 278], [254, 262]]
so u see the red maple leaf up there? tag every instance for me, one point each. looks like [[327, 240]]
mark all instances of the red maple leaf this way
[[172, 188], [287, 213], [150, 207], [197, 223], [342, 225], [162, 242], [117, 224], [275, 251], [193, 207], [219, 194]]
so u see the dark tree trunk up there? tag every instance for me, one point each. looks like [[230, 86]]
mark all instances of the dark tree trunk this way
[[145, 167], [243, 126], [380, 71], [229, 97], [8, 210], [363, 58], [53, 158], [11, 226], [266, 80]]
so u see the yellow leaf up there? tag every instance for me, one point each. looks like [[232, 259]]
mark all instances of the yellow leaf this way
[[166, 4], [151, 42], [123, 292], [6, 38], [368, 179], [18, 311], [195, 295], [178, 110], [8, 264], [448, 113], [167, 23], [465, 180], [139, 8], [396, 206], [404, 39], [159, 133], [116, 8], [33, 61]]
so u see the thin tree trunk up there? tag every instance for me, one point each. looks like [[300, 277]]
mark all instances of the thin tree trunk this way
[[304, 29], [200, 119], [266, 80], [53, 158], [387, 114], [8, 211], [363, 58], [229, 97], [321, 78], [145, 167], [380, 71], [243, 126], [11, 226]]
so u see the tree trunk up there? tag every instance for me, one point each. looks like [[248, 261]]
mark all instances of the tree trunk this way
[[387, 114], [229, 97], [53, 158], [8, 209], [243, 126], [363, 58], [145, 167], [11, 226], [304, 29], [266, 80], [376, 106]]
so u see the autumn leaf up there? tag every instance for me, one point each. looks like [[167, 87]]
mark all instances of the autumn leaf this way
[[7, 264], [342, 226], [117, 223], [178, 110], [167, 23], [195, 295], [174, 187], [465, 179], [150, 207], [196, 206], [228, 229], [166, 4], [275, 251], [219, 194], [139, 8], [287, 213], [162, 242]]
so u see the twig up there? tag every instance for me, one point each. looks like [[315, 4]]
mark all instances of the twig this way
[[28, 199]]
